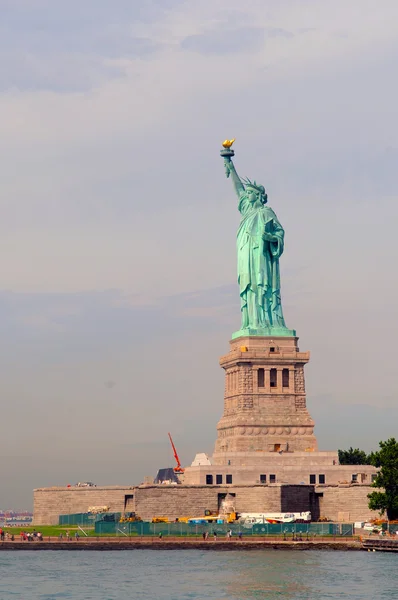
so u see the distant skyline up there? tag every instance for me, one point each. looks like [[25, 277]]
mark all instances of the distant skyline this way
[[118, 277]]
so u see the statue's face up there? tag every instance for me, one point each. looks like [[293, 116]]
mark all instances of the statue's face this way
[[253, 196]]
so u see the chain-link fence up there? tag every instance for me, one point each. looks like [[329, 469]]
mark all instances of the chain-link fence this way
[[82, 519], [392, 528], [87, 519], [143, 529]]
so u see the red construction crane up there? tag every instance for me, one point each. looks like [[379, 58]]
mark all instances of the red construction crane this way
[[178, 469]]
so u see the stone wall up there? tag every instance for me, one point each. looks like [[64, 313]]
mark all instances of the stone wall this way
[[345, 503], [296, 498], [49, 503], [177, 501], [336, 502], [169, 501]]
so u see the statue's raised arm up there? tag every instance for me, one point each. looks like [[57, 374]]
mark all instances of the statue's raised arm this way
[[227, 153]]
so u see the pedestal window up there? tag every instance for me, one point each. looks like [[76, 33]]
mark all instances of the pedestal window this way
[[273, 374], [285, 378]]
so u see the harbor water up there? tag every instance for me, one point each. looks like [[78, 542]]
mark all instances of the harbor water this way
[[198, 575]]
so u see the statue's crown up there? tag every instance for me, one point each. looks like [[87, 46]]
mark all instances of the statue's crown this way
[[254, 185]]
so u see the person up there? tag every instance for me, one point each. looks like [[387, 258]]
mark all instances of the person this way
[[160, 535], [204, 535], [240, 535], [77, 536], [215, 535]]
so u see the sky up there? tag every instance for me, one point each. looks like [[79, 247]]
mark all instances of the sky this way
[[118, 286]]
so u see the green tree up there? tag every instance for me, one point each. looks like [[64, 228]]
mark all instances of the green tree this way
[[353, 457], [386, 459]]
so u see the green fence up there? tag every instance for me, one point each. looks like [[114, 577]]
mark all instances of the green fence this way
[[144, 528], [392, 528], [88, 519], [77, 519]]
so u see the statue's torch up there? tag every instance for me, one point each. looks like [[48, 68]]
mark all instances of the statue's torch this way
[[227, 153]]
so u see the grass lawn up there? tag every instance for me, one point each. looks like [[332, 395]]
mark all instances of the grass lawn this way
[[49, 530]]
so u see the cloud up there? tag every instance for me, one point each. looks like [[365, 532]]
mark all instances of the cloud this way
[[63, 73], [275, 32], [244, 39], [70, 326], [48, 46], [233, 41]]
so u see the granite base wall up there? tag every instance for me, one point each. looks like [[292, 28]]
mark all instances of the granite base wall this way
[[345, 503], [337, 503], [177, 501], [49, 503], [169, 501]]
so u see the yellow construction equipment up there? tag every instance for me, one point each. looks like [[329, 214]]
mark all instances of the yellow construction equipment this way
[[130, 518]]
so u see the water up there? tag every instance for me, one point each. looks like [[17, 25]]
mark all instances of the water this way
[[198, 575]]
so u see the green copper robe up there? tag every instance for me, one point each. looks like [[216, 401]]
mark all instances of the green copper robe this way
[[258, 266]]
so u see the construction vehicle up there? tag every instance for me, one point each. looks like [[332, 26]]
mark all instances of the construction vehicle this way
[[179, 470], [226, 518], [249, 519], [130, 517]]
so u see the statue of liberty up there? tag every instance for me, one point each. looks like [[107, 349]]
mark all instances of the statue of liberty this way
[[260, 242]]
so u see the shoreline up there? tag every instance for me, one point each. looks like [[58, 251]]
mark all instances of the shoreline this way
[[112, 544]]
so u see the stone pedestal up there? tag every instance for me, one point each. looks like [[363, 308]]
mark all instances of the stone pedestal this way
[[264, 402]]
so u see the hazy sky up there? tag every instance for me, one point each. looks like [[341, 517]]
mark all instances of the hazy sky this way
[[118, 226]]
